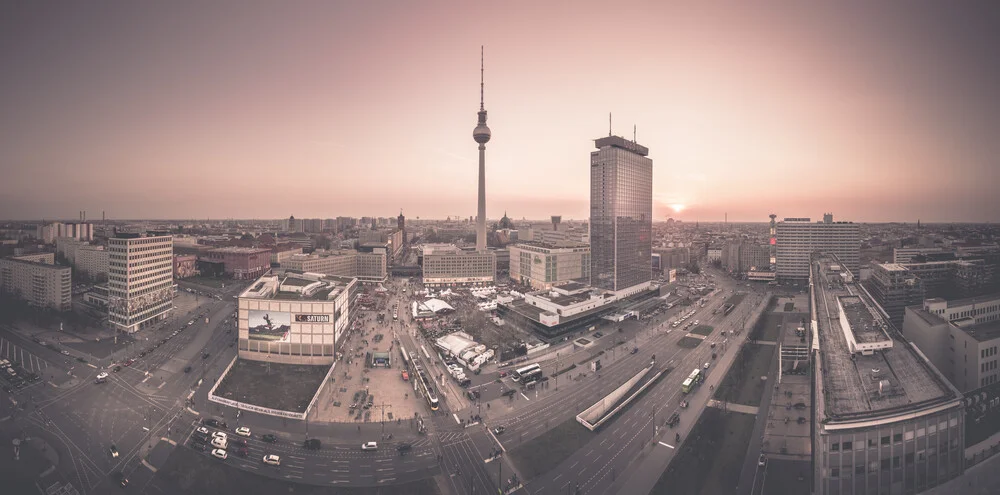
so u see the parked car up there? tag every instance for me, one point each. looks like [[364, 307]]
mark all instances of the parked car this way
[[219, 454], [187, 369], [114, 451], [762, 460], [499, 430]]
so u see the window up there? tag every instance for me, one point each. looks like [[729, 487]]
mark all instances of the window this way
[[847, 445], [895, 462], [898, 437], [835, 447], [834, 472], [885, 440], [885, 464], [859, 469], [909, 458], [873, 466]]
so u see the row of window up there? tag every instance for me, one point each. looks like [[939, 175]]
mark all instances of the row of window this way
[[989, 351]]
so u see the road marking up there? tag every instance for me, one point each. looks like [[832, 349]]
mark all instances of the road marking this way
[[665, 445], [150, 466], [88, 364], [171, 442], [192, 411], [456, 418], [525, 396]]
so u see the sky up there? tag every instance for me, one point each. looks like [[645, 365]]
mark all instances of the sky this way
[[875, 111]]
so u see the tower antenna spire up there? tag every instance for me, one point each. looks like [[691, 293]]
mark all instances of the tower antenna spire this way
[[482, 66], [609, 124], [633, 132]]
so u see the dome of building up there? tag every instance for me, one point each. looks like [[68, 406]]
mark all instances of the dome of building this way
[[481, 134]]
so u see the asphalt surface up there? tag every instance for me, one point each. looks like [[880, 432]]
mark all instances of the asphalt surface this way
[[145, 410]]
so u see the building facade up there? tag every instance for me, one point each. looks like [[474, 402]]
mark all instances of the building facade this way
[[621, 215], [542, 265], [368, 268], [450, 266], [36, 280], [140, 280], [294, 318], [241, 263], [798, 238], [961, 337], [185, 265], [894, 288], [279, 255], [677, 257], [92, 261]]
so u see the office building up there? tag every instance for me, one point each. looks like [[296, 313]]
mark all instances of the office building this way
[[369, 268], [672, 258], [140, 279], [282, 253], [36, 280], [961, 337], [92, 261], [885, 420], [543, 265], [906, 255], [894, 288], [621, 216], [185, 265], [796, 239], [240, 263], [448, 266], [294, 318]]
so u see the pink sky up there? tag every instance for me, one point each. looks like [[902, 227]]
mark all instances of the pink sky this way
[[265, 111]]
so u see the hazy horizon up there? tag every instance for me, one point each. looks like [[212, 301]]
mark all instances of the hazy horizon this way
[[185, 110]]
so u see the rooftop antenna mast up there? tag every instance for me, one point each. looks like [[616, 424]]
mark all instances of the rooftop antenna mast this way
[[633, 132], [482, 59], [609, 124]]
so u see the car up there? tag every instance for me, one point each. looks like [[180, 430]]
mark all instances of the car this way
[[269, 438], [213, 423], [187, 369], [102, 377], [403, 448], [635, 350], [64, 352], [220, 442], [369, 446], [272, 460], [503, 374], [219, 454], [499, 430], [762, 460], [243, 431], [598, 334], [220, 434], [114, 451], [706, 365], [205, 355], [116, 369], [312, 444], [203, 431], [121, 479], [509, 392]]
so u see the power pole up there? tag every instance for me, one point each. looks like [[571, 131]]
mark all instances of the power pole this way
[[383, 406]]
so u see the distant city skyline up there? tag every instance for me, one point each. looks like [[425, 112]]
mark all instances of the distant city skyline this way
[[874, 112]]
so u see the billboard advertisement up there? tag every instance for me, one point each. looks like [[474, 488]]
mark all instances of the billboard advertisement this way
[[272, 326]]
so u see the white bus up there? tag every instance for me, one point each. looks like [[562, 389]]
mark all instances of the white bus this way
[[530, 369]]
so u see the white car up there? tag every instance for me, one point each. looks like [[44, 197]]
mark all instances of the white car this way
[[219, 453], [202, 430], [369, 446], [243, 431], [102, 375], [706, 366], [272, 459], [220, 434], [220, 443]]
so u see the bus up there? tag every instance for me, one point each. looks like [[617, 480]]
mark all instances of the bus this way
[[406, 357], [728, 309], [691, 381], [426, 354], [520, 372], [531, 376], [425, 387]]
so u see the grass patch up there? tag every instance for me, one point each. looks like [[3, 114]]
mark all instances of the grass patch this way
[[564, 370], [711, 458], [688, 342], [742, 384], [187, 471], [543, 453], [705, 330]]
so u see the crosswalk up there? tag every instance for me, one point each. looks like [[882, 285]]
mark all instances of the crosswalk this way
[[17, 354]]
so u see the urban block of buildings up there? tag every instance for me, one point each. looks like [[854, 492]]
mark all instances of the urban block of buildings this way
[[542, 265], [368, 268], [446, 265], [37, 280], [798, 238]]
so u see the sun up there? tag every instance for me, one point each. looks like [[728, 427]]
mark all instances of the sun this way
[[677, 207]]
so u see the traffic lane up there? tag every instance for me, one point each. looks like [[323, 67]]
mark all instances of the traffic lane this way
[[15, 353], [464, 466]]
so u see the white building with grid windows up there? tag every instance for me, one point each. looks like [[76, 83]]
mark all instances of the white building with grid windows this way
[[798, 238], [140, 279]]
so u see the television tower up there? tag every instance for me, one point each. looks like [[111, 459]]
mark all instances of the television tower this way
[[482, 136]]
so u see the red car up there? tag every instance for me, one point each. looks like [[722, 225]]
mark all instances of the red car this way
[[128, 362], [503, 374]]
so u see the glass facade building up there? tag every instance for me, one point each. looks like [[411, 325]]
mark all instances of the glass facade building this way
[[621, 214]]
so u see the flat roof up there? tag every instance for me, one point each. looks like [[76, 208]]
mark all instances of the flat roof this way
[[863, 325], [983, 331], [553, 244], [860, 387], [239, 250], [893, 267], [269, 286], [968, 301], [572, 286], [286, 387]]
